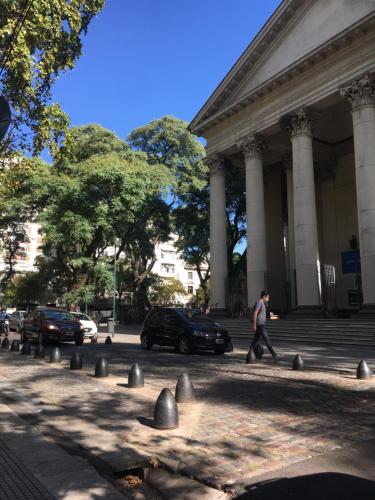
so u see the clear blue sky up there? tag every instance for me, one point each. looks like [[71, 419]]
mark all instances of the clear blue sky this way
[[147, 58]]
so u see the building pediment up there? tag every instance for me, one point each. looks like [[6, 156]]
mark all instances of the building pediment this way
[[296, 31]]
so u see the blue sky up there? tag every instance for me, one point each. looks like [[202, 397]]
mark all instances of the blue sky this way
[[147, 58]]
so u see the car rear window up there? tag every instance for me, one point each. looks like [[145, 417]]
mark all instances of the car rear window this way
[[58, 316], [196, 316], [81, 316]]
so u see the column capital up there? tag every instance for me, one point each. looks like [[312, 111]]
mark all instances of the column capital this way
[[215, 164], [360, 92], [300, 123], [251, 146]]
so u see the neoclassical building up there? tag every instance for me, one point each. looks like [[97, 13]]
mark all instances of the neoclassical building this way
[[296, 117]]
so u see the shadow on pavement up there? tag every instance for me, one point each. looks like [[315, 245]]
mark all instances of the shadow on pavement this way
[[324, 486]]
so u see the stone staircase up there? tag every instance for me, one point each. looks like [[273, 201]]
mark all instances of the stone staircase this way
[[349, 332]]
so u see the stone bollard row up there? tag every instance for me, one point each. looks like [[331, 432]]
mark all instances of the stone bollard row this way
[[250, 357], [166, 411], [5, 343], [184, 389], [101, 368], [26, 348], [15, 346], [55, 355], [298, 363], [76, 361], [135, 377], [363, 371]]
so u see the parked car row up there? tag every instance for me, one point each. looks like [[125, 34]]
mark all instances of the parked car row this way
[[47, 324]]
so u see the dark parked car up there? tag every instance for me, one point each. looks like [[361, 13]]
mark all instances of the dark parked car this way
[[47, 324], [185, 330]]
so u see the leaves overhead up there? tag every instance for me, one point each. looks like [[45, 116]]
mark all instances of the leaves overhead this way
[[49, 43]]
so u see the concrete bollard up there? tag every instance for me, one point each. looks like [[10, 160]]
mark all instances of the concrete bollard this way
[[94, 339], [250, 357], [166, 411], [298, 363], [135, 377], [39, 352], [108, 340], [26, 348], [5, 343], [101, 368], [15, 346], [184, 389], [55, 356], [76, 361], [363, 371]]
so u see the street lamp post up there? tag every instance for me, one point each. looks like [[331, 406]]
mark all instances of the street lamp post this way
[[114, 293]]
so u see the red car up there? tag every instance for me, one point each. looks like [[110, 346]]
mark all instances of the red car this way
[[47, 324]]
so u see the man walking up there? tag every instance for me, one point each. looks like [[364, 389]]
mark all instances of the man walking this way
[[259, 323]]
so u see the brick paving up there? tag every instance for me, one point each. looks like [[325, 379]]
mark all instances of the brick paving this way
[[248, 419]]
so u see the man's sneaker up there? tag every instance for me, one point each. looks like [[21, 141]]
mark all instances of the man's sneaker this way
[[277, 357]]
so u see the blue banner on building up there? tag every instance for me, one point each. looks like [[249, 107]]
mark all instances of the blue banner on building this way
[[351, 262]]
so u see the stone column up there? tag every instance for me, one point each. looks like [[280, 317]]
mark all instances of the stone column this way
[[361, 94], [304, 203], [252, 149], [287, 163], [218, 234]]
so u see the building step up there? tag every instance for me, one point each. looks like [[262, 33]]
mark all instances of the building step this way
[[311, 331]]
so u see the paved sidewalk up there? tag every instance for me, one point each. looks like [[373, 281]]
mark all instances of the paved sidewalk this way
[[248, 420], [33, 467]]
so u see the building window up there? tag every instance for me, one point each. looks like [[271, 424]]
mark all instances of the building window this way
[[167, 268], [190, 290], [190, 275], [168, 254]]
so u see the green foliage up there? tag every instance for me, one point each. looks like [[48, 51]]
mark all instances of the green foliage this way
[[167, 141], [167, 292], [49, 43], [88, 140], [30, 287], [93, 200]]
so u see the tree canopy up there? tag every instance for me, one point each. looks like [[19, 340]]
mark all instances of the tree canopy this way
[[48, 42]]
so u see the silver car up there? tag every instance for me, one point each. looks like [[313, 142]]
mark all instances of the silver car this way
[[16, 320]]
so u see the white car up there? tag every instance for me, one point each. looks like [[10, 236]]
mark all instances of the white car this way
[[88, 325]]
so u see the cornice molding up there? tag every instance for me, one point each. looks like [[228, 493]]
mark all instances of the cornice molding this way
[[205, 121], [360, 92]]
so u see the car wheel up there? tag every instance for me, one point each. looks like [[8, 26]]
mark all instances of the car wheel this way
[[146, 342], [184, 346], [79, 341]]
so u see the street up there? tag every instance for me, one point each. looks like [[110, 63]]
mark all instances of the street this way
[[248, 421]]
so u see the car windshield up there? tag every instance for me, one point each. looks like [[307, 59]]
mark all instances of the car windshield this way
[[81, 316], [196, 316], [58, 316]]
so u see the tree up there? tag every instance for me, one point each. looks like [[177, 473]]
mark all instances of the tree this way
[[168, 142], [88, 140], [20, 182], [167, 292], [48, 42], [98, 191]]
